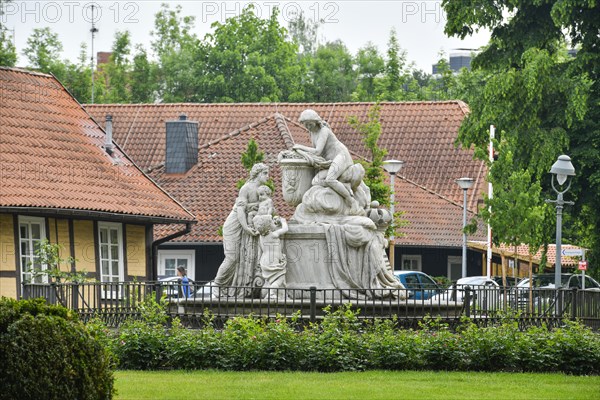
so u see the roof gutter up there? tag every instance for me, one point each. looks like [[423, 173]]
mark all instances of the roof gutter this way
[[156, 243]]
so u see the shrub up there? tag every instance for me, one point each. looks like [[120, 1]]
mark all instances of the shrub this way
[[336, 344], [393, 349], [140, 345], [492, 349], [46, 353]]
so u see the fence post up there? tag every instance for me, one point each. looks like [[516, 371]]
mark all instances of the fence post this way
[[453, 295], [158, 292], [75, 296], [313, 304], [467, 301], [573, 304]]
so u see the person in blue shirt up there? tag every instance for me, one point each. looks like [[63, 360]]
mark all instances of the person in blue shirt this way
[[185, 281]]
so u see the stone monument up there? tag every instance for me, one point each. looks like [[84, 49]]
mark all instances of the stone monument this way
[[335, 239]]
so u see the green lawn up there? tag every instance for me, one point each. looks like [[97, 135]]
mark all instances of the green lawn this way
[[352, 385]]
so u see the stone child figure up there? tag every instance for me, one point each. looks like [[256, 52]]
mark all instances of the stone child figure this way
[[327, 145], [265, 204], [272, 261], [237, 223]]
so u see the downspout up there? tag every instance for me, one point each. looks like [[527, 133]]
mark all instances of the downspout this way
[[156, 243]]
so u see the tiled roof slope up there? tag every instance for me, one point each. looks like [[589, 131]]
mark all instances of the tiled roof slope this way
[[52, 156], [422, 134], [209, 189], [523, 253], [432, 219]]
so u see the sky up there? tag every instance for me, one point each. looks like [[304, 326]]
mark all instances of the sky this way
[[419, 24]]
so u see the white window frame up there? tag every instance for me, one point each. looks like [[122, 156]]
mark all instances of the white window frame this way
[[188, 254], [453, 260], [121, 260], [411, 257], [26, 220]]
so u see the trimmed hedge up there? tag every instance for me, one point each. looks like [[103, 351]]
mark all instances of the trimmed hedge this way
[[47, 353], [343, 343]]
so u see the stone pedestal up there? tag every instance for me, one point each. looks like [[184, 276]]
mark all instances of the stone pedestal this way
[[308, 261]]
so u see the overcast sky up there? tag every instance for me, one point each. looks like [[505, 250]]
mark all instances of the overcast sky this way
[[419, 24]]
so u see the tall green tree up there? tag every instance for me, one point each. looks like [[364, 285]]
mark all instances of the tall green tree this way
[[374, 174], [77, 77], [304, 32], [250, 59], [143, 84], [43, 50], [544, 101], [331, 75], [179, 53], [118, 69], [8, 52], [369, 67]]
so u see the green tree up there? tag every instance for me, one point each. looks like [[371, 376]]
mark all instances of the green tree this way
[[8, 52], [249, 59], [374, 174], [118, 69], [252, 155], [370, 67], [179, 55], [331, 75], [43, 50], [395, 76], [143, 84], [304, 32], [77, 78], [544, 101]]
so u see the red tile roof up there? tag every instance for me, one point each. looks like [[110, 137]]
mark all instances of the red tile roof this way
[[52, 156], [523, 253], [209, 189], [433, 220], [422, 134]]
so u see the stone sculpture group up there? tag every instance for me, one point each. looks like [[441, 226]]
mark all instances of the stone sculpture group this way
[[335, 239]]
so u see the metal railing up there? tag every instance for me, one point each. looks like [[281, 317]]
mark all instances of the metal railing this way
[[117, 301]]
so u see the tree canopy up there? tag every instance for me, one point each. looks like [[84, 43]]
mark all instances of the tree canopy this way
[[544, 102]]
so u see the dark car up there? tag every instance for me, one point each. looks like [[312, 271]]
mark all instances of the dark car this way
[[420, 285]]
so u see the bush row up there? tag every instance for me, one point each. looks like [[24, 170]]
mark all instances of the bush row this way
[[47, 353], [343, 343]]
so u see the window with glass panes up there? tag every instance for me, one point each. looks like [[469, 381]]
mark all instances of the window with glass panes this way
[[111, 252], [169, 260], [32, 230], [411, 262]]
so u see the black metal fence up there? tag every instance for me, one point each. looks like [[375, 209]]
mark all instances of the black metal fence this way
[[115, 302]]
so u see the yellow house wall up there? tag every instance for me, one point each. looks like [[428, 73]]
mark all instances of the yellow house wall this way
[[8, 287], [136, 250], [85, 254], [7, 243]]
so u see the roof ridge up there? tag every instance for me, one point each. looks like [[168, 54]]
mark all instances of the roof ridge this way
[[27, 71], [276, 104]]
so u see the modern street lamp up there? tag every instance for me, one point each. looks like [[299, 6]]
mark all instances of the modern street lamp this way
[[465, 184], [392, 167], [562, 169]]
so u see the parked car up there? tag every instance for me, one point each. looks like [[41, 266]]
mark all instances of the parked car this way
[[420, 285], [485, 292], [543, 295]]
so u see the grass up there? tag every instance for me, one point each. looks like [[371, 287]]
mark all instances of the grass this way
[[183, 385]]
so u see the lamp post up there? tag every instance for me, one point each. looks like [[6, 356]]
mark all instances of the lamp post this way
[[392, 167], [465, 184], [562, 169]]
